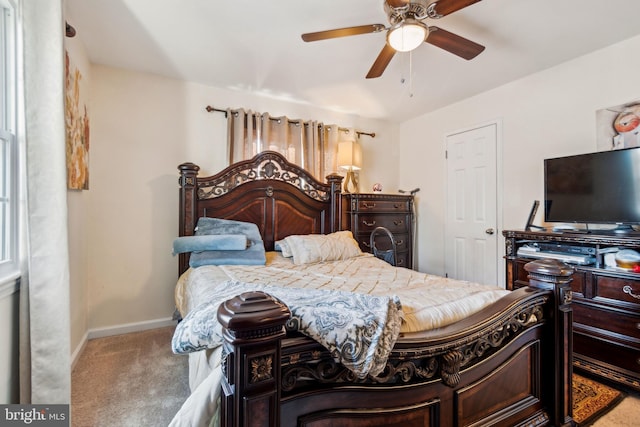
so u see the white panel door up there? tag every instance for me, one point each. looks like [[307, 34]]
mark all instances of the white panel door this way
[[471, 235]]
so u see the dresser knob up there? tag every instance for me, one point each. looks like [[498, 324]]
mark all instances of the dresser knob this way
[[398, 222], [399, 242], [368, 205], [369, 224]]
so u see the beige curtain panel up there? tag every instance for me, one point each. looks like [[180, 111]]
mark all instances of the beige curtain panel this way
[[309, 144]]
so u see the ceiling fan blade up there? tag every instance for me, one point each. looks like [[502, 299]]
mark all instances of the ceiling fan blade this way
[[342, 32], [441, 8], [453, 43], [381, 62]]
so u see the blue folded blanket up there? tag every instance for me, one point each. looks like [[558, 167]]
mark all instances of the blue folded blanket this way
[[210, 242], [254, 254]]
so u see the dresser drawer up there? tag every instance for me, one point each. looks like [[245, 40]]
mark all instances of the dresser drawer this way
[[403, 259], [403, 254], [619, 290], [382, 242], [383, 205], [607, 354], [394, 223], [622, 327]]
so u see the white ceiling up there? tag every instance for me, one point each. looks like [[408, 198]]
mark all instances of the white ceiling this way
[[255, 46]]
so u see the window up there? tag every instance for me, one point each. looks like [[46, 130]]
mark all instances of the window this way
[[9, 266]]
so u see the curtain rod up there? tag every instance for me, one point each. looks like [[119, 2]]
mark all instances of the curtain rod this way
[[211, 109]]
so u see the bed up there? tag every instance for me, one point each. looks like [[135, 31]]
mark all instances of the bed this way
[[506, 363]]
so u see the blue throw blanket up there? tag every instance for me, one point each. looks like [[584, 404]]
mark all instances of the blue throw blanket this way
[[254, 254], [210, 242], [359, 330]]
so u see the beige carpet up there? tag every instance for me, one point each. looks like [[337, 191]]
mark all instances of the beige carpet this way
[[626, 414], [135, 380], [128, 380]]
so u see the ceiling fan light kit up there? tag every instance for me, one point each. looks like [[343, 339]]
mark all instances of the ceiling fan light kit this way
[[407, 35], [407, 31]]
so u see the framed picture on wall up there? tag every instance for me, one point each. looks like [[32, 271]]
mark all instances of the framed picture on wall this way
[[77, 128], [618, 126]]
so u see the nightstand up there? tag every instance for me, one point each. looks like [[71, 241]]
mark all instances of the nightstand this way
[[363, 212]]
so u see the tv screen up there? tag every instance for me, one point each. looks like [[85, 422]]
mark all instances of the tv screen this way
[[595, 188]]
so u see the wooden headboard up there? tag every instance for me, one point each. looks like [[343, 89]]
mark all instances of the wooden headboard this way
[[280, 197]]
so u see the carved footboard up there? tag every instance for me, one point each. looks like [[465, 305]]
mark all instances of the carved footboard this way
[[506, 365]]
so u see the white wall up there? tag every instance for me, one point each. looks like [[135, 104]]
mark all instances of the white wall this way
[[142, 127], [548, 114]]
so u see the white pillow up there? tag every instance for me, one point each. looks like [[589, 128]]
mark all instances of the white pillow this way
[[312, 248], [283, 247]]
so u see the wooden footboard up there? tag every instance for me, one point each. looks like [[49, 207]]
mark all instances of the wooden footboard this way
[[507, 365]]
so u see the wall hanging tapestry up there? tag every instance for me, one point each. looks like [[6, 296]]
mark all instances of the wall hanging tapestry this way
[[77, 129]]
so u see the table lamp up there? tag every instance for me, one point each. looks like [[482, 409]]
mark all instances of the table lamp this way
[[350, 158]]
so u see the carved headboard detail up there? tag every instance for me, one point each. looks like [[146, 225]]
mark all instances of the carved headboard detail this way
[[278, 196]]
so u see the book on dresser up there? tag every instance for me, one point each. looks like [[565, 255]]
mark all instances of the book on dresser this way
[[605, 296], [364, 212]]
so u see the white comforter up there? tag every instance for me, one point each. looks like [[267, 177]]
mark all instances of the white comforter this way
[[428, 302]]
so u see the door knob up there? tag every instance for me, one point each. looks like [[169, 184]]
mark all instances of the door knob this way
[[489, 231]]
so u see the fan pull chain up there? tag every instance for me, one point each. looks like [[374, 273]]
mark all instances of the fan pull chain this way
[[403, 80], [411, 74]]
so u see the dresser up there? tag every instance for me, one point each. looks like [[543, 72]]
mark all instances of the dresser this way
[[363, 212], [606, 299]]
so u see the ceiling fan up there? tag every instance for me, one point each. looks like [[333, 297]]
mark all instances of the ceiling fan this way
[[407, 31]]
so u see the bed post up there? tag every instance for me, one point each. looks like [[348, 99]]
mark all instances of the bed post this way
[[188, 199], [335, 181], [252, 327], [556, 276]]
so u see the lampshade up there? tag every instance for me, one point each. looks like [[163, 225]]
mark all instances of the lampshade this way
[[407, 35], [349, 155]]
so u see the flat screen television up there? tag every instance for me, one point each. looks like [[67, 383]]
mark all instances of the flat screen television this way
[[594, 188]]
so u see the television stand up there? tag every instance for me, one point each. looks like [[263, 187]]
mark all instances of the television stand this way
[[606, 299], [623, 229]]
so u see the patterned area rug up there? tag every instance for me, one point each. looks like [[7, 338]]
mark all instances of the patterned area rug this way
[[591, 400]]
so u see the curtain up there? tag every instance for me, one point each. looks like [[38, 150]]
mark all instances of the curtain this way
[[310, 144], [44, 316]]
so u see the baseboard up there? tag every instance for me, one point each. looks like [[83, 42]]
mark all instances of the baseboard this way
[[128, 328], [78, 351]]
